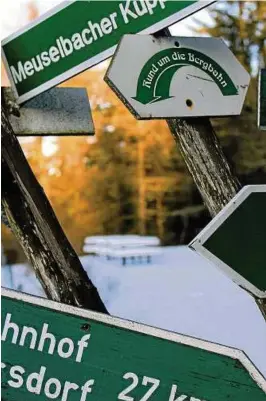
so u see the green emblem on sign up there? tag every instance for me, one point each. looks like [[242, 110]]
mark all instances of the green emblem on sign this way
[[155, 77]]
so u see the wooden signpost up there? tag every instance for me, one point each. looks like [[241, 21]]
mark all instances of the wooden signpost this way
[[79, 34], [262, 99], [177, 77], [59, 112], [55, 351]]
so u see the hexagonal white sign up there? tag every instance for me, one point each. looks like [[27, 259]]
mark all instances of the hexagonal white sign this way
[[171, 77]]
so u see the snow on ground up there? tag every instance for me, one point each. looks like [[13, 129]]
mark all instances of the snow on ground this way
[[21, 278], [179, 291]]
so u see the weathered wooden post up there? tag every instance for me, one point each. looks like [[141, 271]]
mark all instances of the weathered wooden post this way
[[38, 231], [203, 155]]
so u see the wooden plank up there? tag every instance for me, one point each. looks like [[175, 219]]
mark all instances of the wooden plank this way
[[107, 358], [82, 34], [177, 77], [59, 112], [240, 227]]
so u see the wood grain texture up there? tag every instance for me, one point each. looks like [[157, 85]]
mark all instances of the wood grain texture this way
[[38, 231], [203, 155], [206, 162]]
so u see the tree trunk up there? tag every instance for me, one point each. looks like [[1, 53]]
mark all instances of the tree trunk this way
[[38, 231]]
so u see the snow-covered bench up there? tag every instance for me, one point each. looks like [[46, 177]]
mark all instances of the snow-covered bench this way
[[123, 246], [140, 253], [96, 249], [133, 242]]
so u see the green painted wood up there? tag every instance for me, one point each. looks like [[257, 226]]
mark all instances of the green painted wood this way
[[78, 34], [158, 366], [235, 239], [240, 241], [262, 100]]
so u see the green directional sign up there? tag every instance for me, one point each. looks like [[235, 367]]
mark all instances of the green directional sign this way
[[156, 76], [177, 77], [235, 240], [79, 34], [262, 100], [54, 351]]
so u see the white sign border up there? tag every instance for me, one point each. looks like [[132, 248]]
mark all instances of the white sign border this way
[[140, 328], [189, 10], [197, 243]]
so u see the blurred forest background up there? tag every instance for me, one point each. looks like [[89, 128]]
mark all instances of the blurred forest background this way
[[130, 177]]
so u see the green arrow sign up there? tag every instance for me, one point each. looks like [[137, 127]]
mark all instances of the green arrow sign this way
[[169, 77], [79, 34], [235, 239], [155, 77], [54, 351], [262, 100]]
